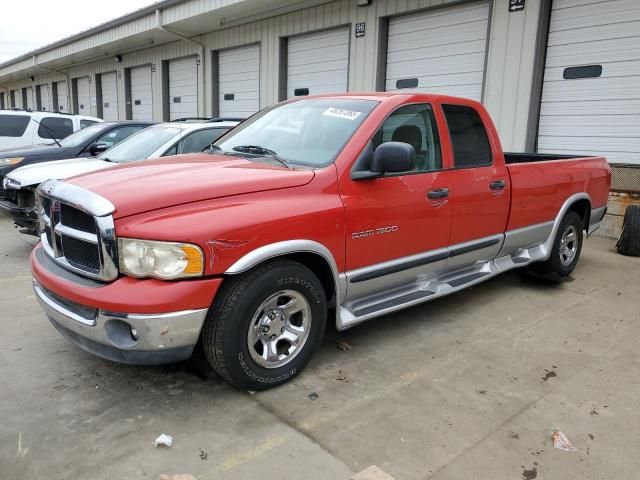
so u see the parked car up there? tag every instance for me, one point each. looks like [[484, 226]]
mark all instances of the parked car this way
[[20, 128], [359, 204], [160, 140]]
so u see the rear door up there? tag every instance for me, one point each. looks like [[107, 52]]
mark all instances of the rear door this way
[[481, 190], [398, 225]]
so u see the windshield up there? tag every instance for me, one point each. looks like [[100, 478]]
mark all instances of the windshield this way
[[140, 145], [81, 136], [306, 132]]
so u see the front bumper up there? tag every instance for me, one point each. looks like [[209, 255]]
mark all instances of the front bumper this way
[[166, 317], [144, 339]]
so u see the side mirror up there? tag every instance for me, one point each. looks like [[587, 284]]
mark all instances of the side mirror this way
[[97, 148], [393, 157]]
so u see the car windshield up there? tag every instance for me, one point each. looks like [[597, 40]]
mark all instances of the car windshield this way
[[81, 137], [305, 132], [140, 145]]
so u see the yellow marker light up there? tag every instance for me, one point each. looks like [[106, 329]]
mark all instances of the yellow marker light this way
[[194, 260]]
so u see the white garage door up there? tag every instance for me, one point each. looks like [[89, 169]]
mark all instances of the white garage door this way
[[591, 91], [17, 98], [183, 88], [442, 51], [239, 81], [109, 86], [63, 100], [84, 96], [29, 94], [141, 94], [318, 62], [45, 98]]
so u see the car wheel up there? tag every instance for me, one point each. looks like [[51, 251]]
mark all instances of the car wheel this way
[[265, 325], [566, 248], [629, 241]]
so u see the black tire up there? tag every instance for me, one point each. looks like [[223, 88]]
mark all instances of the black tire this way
[[225, 333], [556, 263], [629, 241]]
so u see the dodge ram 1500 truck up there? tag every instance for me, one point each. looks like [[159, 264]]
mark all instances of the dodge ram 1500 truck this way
[[350, 206]]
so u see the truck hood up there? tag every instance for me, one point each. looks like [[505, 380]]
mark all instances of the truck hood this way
[[165, 182], [37, 173]]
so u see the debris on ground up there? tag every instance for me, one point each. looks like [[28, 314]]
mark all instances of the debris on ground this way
[[561, 442], [514, 435], [530, 474], [344, 346], [313, 396], [549, 374], [164, 440], [341, 377], [594, 411], [203, 455]]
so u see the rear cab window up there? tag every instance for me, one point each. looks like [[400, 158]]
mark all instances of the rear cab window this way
[[469, 138], [54, 127], [86, 123], [13, 125]]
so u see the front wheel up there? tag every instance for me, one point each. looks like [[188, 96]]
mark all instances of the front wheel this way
[[265, 325], [566, 248]]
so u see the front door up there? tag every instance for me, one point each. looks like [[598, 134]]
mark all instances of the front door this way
[[398, 225]]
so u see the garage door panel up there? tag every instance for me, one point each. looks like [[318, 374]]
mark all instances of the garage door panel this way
[[462, 48], [619, 49], [589, 89], [183, 86], [595, 107], [30, 103], [584, 126], [593, 115], [45, 97], [83, 96], [609, 70], [141, 93], [444, 49], [586, 14], [109, 88], [318, 61], [438, 81], [63, 100], [440, 19], [460, 64], [239, 74]]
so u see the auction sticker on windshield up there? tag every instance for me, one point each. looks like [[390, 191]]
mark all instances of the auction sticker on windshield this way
[[341, 113]]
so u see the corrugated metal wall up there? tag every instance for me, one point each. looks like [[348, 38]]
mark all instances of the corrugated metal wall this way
[[509, 71]]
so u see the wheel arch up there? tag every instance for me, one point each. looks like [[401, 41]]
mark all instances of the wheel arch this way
[[582, 207], [314, 255]]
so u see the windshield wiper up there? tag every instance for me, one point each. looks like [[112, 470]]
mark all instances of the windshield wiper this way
[[258, 150], [49, 131]]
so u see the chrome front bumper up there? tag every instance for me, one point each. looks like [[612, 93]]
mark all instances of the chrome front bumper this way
[[143, 339]]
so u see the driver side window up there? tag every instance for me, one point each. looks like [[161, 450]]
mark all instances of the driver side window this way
[[415, 125]]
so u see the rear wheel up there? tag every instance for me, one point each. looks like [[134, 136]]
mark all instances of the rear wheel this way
[[265, 325], [566, 248]]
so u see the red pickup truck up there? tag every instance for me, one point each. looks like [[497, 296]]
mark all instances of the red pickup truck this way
[[344, 207]]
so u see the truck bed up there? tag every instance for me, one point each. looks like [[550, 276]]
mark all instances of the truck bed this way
[[517, 157]]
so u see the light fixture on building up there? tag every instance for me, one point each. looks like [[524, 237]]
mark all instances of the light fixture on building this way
[[364, 3], [117, 58]]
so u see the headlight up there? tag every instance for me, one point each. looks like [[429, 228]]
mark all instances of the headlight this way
[[164, 260], [11, 160], [9, 183]]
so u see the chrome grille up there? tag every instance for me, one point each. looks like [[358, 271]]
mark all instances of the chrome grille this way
[[78, 237]]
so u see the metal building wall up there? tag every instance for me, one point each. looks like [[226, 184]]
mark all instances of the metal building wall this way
[[509, 72]]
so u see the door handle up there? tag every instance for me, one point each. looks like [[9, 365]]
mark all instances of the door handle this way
[[498, 185], [438, 193]]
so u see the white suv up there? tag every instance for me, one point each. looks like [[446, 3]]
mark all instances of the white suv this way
[[19, 128]]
